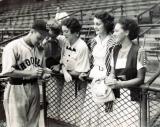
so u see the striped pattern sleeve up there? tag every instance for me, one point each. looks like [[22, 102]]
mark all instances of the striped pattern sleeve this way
[[91, 45], [110, 44]]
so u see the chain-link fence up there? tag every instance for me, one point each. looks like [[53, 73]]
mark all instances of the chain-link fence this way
[[2, 114], [70, 105], [77, 109], [153, 109], [2, 123]]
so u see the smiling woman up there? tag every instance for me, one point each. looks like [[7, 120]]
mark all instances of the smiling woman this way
[[127, 69], [100, 68]]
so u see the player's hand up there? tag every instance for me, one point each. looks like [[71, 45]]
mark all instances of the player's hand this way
[[47, 70], [37, 72], [55, 68]]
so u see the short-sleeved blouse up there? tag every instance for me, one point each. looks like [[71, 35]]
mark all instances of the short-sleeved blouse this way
[[122, 59], [76, 57]]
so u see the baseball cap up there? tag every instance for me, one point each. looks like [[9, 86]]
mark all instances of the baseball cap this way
[[40, 26], [101, 93]]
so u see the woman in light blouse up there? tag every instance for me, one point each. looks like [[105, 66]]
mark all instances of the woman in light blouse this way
[[74, 60]]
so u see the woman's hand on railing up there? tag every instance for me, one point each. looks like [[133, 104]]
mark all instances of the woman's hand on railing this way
[[67, 76], [83, 76], [111, 82]]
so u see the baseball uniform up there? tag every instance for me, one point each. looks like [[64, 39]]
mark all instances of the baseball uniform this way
[[21, 96]]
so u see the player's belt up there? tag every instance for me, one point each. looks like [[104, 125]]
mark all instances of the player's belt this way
[[20, 81]]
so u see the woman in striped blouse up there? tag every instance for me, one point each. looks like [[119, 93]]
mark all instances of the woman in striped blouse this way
[[92, 115]]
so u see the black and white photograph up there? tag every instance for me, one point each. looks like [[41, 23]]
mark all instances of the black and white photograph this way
[[79, 63]]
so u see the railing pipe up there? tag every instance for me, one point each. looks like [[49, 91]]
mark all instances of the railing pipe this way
[[145, 87], [122, 11], [150, 27], [5, 42], [143, 121], [44, 103], [48, 15], [2, 35], [11, 17], [81, 16], [149, 9], [10, 21]]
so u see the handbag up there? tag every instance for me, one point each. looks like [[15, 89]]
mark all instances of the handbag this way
[[101, 93]]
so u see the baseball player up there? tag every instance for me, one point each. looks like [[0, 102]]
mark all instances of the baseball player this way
[[24, 63]]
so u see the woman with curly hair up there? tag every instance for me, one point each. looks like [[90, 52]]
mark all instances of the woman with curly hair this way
[[127, 72], [92, 113], [74, 60]]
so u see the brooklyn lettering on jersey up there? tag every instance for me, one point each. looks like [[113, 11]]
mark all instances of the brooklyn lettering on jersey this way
[[28, 62]]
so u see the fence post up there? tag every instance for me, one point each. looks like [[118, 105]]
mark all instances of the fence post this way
[[10, 21], [151, 16], [143, 110], [122, 11], [82, 17], [48, 15], [34, 17], [44, 103], [2, 34]]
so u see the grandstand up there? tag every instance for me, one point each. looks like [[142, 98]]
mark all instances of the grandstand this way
[[22, 16], [16, 18]]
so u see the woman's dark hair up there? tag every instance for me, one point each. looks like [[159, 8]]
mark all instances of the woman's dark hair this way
[[54, 25], [107, 20], [130, 25], [72, 24], [56, 31]]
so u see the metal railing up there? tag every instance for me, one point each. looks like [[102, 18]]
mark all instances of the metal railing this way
[[82, 13], [143, 104], [148, 28], [35, 16], [139, 16], [53, 97], [3, 43]]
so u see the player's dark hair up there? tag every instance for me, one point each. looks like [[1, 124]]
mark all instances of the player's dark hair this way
[[40, 25]]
